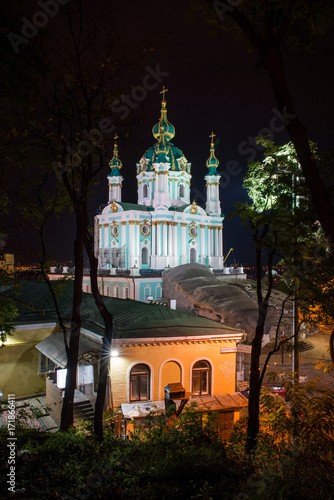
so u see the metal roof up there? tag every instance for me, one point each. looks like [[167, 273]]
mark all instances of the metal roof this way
[[53, 347], [132, 319]]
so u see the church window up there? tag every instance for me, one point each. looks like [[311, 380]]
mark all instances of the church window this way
[[116, 292], [145, 229], [106, 293], [140, 383], [114, 231], [181, 190], [159, 292], [144, 256], [193, 256], [125, 292], [86, 288], [145, 190], [201, 378]]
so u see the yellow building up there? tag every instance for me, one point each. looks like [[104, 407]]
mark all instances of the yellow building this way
[[152, 346]]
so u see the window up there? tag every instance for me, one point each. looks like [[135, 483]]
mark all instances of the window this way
[[140, 383], [201, 378], [144, 256], [145, 190], [125, 292], [193, 256], [116, 292], [86, 288], [106, 291], [159, 292], [114, 231], [45, 364], [181, 190]]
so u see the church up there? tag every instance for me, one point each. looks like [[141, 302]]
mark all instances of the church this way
[[164, 229]]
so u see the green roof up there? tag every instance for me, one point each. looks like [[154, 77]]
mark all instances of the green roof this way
[[132, 206], [132, 319]]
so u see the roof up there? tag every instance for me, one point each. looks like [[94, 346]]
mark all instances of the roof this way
[[132, 319], [225, 402], [53, 347]]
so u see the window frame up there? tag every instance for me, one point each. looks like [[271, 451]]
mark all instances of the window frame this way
[[139, 377]]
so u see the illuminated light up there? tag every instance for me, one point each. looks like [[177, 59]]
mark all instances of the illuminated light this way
[[114, 353]]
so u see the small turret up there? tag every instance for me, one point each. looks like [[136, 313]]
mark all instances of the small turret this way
[[212, 182], [115, 179]]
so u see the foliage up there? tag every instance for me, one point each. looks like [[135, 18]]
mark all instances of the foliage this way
[[185, 458], [8, 305]]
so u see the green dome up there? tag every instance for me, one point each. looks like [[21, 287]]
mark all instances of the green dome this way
[[212, 162], [163, 128], [115, 163], [164, 153]]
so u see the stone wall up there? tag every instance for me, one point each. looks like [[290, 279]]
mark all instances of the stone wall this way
[[54, 400]]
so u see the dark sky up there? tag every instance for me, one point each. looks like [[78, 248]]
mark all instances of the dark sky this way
[[214, 84]]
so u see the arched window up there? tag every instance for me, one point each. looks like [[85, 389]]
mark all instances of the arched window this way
[[201, 378], [106, 291], [86, 288], [145, 190], [140, 383], [181, 190], [144, 256], [125, 292], [193, 256], [116, 291]]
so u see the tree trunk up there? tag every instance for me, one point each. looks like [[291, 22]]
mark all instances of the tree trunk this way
[[108, 324], [73, 348]]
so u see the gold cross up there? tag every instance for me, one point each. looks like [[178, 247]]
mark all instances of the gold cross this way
[[163, 92], [212, 136]]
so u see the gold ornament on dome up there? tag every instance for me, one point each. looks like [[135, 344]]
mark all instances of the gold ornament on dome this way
[[194, 208], [114, 207]]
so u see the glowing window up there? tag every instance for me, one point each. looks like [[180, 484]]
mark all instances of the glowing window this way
[[201, 378], [140, 383]]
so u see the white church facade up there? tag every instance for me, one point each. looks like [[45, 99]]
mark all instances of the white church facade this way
[[164, 229]]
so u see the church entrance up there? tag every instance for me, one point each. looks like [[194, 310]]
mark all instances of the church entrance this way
[[193, 256]]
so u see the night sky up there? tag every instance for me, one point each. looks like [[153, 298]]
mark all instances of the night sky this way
[[214, 84]]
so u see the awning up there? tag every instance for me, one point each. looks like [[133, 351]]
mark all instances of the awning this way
[[53, 348]]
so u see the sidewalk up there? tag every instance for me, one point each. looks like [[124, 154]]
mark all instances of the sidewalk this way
[[319, 351]]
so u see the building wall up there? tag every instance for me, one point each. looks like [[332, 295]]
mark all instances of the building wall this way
[[223, 367], [19, 363]]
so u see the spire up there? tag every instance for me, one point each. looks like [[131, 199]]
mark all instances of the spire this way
[[212, 162], [163, 129], [115, 163]]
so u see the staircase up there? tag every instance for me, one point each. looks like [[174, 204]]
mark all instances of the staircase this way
[[83, 410]]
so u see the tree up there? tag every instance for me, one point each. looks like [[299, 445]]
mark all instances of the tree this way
[[270, 27], [282, 223], [69, 129]]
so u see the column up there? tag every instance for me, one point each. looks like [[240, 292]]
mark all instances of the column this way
[[217, 241], [158, 238], [153, 236], [202, 247], [209, 245], [132, 242], [164, 238], [183, 243], [170, 239], [220, 236], [137, 247]]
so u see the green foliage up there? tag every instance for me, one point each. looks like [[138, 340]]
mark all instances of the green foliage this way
[[8, 305]]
